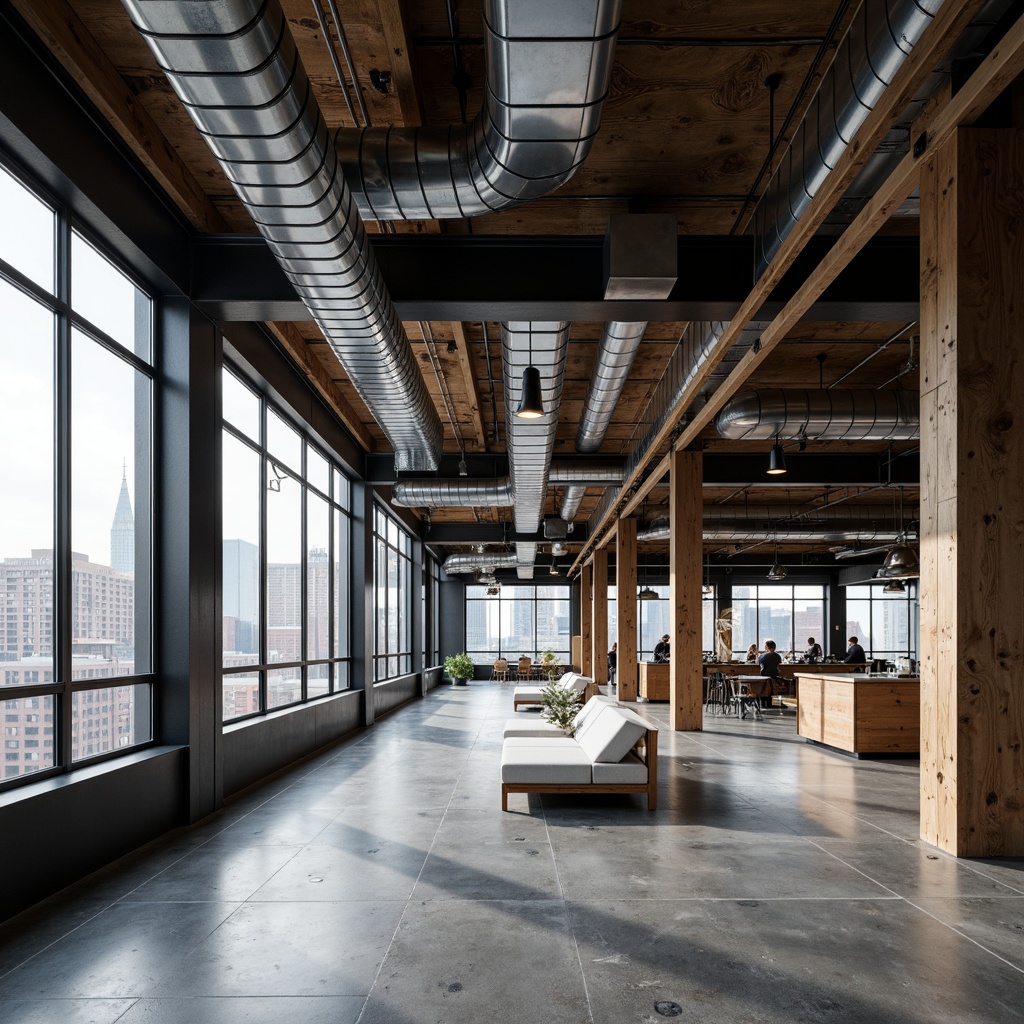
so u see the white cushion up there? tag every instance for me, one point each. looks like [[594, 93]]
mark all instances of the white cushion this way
[[630, 771], [536, 741], [580, 683], [530, 725], [612, 735], [591, 708], [534, 694], [553, 762], [565, 677]]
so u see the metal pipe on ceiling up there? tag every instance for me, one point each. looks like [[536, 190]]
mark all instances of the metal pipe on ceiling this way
[[548, 72], [235, 67]]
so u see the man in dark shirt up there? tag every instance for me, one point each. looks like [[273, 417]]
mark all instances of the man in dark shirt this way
[[662, 649], [854, 653], [813, 652], [769, 663]]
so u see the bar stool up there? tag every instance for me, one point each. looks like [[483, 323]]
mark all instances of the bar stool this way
[[718, 697]]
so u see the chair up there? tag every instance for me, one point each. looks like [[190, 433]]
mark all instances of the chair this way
[[500, 670], [525, 667], [719, 696], [749, 694]]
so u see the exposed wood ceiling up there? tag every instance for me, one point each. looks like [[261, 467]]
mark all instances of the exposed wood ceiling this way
[[685, 130]]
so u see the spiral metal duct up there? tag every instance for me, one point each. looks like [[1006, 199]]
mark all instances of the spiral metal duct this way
[[456, 493], [235, 67], [531, 442], [548, 67], [454, 564], [855, 415], [834, 531], [879, 40]]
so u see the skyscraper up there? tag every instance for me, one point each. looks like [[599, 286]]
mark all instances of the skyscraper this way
[[122, 532]]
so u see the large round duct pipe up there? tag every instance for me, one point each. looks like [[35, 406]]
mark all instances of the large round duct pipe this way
[[548, 67], [235, 67], [837, 415], [454, 564], [744, 533], [457, 493]]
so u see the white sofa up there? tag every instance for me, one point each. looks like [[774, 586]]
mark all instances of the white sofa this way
[[533, 693], [612, 750]]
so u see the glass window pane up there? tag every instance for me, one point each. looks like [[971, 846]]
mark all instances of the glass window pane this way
[[27, 240], [241, 406], [342, 680], [26, 510], [889, 628], [318, 471], [241, 694], [342, 585], [109, 470], [318, 680], [284, 577], [107, 299], [284, 686], [28, 735], [110, 719], [553, 625], [284, 443], [858, 624], [744, 623], [342, 489], [241, 547], [318, 578]]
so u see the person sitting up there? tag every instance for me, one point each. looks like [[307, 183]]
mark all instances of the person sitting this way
[[854, 653], [769, 663], [752, 654], [662, 649], [813, 653], [613, 658]]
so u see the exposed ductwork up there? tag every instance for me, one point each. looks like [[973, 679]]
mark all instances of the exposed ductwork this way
[[235, 67], [620, 341], [455, 564], [526, 554], [590, 472], [456, 493], [856, 415], [739, 532], [531, 442], [879, 40], [548, 69]]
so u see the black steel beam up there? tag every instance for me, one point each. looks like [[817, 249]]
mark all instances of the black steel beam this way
[[379, 467], [475, 277], [442, 534]]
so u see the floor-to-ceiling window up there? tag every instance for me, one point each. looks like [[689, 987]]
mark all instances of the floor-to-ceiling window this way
[[286, 545], [392, 597], [785, 613], [76, 401], [520, 620], [885, 624], [431, 610], [654, 619]]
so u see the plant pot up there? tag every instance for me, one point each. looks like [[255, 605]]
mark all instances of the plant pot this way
[[458, 682]]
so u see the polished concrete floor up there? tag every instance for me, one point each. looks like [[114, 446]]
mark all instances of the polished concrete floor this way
[[380, 883]]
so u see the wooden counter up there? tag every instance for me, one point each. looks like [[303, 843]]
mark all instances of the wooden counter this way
[[861, 714], [654, 681], [786, 670]]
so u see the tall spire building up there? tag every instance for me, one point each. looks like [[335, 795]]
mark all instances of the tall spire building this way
[[122, 532]]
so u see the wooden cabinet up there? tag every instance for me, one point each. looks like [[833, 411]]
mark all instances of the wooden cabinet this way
[[654, 682], [860, 714]]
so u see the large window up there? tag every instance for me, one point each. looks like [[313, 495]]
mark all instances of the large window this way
[[392, 593], [286, 539], [522, 619], [780, 612], [75, 509], [885, 624], [431, 611], [654, 620]]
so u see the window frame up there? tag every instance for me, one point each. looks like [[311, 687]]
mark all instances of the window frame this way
[[386, 527]]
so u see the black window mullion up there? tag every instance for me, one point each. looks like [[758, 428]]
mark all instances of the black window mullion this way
[[303, 577], [62, 563], [264, 602]]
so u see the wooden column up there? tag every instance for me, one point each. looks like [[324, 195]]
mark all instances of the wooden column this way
[[685, 569], [972, 483], [625, 620], [586, 617], [599, 659]]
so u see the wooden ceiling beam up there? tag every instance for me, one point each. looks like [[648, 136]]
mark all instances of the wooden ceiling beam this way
[[393, 25], [61, 29], [469, 377], [938, 37], [295, 346]]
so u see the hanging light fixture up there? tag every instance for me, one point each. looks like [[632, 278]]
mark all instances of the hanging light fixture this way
[[901, 561], [531, 402], [776, 460], [778, 571], [894, 587], [553, 571], [707, 590]]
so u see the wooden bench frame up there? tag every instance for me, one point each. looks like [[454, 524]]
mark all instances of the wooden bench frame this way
[[592, 690], [645, 748]]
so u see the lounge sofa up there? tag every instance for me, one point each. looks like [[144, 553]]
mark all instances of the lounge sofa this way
[[612, 750], [533, 693]]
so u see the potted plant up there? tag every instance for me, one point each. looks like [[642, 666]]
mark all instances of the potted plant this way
[[550, 664], [560, 706], [459, 667]]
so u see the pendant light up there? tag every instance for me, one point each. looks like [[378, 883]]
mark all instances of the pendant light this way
[[707, 590], [531, 401], [902, 561], [646, 593], [776, 460], [894, 587], [778, 570]]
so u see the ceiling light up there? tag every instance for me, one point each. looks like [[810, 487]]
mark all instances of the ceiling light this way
[[452, 347], [531, 405], [901, 562], [777, 572], [894, 587], [558, 548], [553, 571], [463, 468], [648, 595], [776, 460]]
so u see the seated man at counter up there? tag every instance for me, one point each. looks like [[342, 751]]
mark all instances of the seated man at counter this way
[[813, 653], [854, 653], [662, 649], [769, 663]]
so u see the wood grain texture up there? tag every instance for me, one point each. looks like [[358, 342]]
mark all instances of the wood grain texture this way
[[685, 575], [465, 356], [626, 609], [599, 625], [587, 619], [972, 772]]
